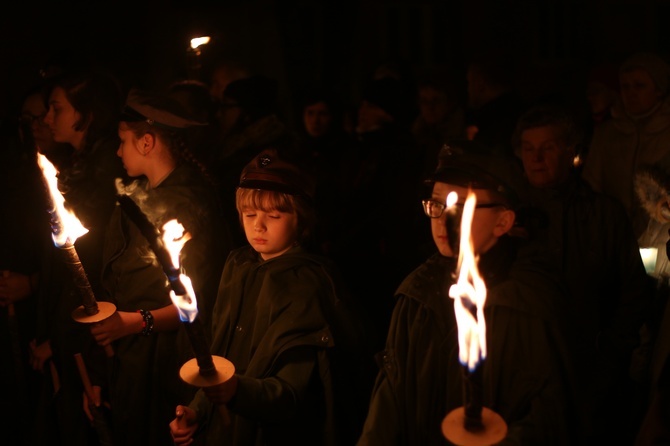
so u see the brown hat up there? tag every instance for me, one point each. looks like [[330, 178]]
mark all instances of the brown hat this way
[[267, 171], [156, 109]]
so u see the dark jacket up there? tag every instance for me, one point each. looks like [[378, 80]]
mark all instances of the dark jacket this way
[[144, 378], [590, 239], [525, 375], [284, 326]]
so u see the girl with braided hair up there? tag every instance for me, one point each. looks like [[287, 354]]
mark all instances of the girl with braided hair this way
[[145, 331]]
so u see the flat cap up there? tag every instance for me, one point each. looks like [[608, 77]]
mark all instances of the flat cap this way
[[268, 171], [157, 109]]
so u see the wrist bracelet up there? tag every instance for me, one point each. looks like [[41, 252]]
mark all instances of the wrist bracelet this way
[[147, 322]]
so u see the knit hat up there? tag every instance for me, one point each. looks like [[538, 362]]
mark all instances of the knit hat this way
[[157, 109], [658, 69], [255, 95], [268, 171], [469, 164]]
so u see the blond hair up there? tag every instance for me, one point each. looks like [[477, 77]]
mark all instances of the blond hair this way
[[269, 200]]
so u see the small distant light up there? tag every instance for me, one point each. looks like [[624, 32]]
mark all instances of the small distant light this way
[[197, 41], [577, 161]]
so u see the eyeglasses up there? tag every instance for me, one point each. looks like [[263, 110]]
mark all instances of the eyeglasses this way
[[435, 209]]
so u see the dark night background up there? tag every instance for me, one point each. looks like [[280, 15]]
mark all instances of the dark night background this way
[[302, 42]]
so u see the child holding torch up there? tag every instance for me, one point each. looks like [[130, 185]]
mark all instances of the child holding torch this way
[[280, 318], [143, 383], [521, 376]]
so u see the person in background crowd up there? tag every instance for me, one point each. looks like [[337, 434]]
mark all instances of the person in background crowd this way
[[386, 181], [602, 92], [636, 139], [24, 222], [223, 73], [441, 116], [194, 96], [590, 240], [493, 100], [330, 153]]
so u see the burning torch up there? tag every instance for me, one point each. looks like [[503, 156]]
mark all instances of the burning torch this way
[[472, 424], [66, 229], [205, 370], [193, 55]]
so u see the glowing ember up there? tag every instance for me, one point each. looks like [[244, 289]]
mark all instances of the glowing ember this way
[[66, 226], [175, 239], [469, 294]]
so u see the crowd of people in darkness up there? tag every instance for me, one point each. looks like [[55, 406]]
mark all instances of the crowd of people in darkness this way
[[321, 258]]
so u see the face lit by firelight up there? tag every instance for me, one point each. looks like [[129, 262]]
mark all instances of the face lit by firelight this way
[[486, 225], [62, 118], [130, 151], [547, 160], [271, 233]]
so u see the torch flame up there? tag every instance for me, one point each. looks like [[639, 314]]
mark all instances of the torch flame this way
[[469, 294], [66, 226], [175, 238], [452, 198], [197, 41]]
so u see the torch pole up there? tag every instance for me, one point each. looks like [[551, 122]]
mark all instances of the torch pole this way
[[99, 420], [472, 398], [91, 311], [471, 424], [205, 370], [19, 367], [14, 333], [90, 306], [64, 233]]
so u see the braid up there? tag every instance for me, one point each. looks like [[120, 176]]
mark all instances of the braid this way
[[187, 155]]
